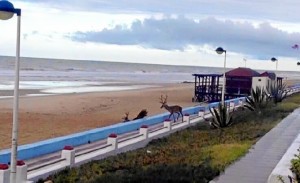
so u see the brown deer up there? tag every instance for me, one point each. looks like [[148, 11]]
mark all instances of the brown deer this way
[[141, 115], [125, 118], [172, 109]]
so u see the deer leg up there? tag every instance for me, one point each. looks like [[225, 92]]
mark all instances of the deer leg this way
[[181, 115], [170, 115], [173, 117], [178, 115]]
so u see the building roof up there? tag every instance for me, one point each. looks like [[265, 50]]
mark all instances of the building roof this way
[[208, 75], [271, 75], [242, 72]]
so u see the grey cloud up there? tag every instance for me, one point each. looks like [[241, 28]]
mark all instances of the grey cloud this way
[[286, 10], [28, 34], [25, 36], [179, 33]]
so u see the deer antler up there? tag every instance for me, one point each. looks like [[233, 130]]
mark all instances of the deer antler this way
[[125, 118], [163, 100]]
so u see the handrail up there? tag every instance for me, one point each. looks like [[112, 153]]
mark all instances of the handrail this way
[[92, 150], [157, 129], [129, 138], [177, 123], [46, 164]]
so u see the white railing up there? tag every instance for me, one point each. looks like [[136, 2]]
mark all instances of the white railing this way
[[114, 145]]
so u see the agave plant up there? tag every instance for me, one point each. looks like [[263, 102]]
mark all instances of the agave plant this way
[[277, 92], [221, 116], [257, 101]]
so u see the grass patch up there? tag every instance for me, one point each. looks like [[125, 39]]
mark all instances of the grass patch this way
[[286, 107], [196, 154], [223, 155]]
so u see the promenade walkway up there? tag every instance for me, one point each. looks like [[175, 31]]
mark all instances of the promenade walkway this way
[[258, 164]]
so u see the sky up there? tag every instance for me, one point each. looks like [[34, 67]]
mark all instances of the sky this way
[[175, 32]]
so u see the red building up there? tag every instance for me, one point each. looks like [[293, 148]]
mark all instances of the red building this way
[[239, 81], [208, 87]]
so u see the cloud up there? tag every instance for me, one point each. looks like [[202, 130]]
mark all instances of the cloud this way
[[29, 34], [262, 41], [254, 9]]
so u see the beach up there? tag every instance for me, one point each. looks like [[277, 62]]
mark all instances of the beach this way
[[44, 117], [61, 97]]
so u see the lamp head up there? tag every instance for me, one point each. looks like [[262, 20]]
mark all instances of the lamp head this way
[[298, 63], [273, 59], [220, 50], [7, 10]]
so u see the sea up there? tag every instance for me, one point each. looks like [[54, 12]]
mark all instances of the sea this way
[[42, 76]]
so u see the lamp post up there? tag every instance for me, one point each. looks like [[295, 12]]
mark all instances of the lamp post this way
[[7, 11], [273, 59], [220, 50], [245, 60]]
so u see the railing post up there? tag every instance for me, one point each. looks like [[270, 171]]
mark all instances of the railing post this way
[[186, 118], [144, 130], [113, 140], [21, 176], [4, 173], [201, 113], [167, 124], [231, 105], [241, 103], [69, 154]]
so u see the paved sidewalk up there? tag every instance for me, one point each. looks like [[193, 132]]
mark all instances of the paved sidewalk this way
[[258, 164]]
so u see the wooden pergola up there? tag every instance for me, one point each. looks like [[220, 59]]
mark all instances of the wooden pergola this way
[[207, 87]]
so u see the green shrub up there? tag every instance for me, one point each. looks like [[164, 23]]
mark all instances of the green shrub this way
[[161, 173], [257, 101], [221, 117], [277, 92], [296, 165]]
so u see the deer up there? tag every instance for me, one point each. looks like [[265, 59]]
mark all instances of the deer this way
[[172, 109], [125, 118], [141, 115]]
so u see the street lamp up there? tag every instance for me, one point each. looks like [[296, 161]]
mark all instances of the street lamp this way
[[245, 60], [273, 59], [7, 11], [220, 50]]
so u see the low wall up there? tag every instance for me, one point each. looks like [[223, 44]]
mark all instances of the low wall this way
[[56, 144]]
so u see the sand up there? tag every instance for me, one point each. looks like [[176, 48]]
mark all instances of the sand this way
[[53, 116]]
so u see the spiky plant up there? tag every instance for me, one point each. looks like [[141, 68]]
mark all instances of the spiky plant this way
[[257, 101], [221, 117], [295, 164], [277, 92]]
